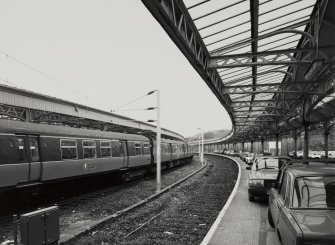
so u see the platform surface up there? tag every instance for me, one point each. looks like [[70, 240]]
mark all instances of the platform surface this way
[[244, 222]]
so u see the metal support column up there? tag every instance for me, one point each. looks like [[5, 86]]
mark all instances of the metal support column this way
[[306, 139], [252, 146], [262, 145], [277, 145], [326, 139], [326, 144], [295, 145], [305, 122], [28, 115]]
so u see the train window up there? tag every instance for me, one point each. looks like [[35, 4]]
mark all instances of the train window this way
[[21, 153], [138, 149], [167, 148], [131, 148], [89, 149], [34, 149], [69, 149], [146, 148], [106, 148], [163, 148], [117, 150]]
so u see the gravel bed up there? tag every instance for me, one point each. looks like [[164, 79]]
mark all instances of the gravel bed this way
[[131, 193], [184, 214]]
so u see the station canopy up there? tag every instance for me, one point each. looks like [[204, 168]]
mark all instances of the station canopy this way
[[269, 62]]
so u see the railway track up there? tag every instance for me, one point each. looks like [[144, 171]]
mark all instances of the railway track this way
[[78, 209], [180, 216]]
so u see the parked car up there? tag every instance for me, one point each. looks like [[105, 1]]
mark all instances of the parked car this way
[[292, 154], [300, 154], [244, 155], [232, 153], [331, 155], [250, 158], [302, 204], [263, 175], [314, 155]]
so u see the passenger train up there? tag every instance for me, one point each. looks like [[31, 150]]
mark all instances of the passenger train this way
[[33, 154]]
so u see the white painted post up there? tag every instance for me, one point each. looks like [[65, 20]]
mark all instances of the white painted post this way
[[158, 165], [202, 147], [199, 148]]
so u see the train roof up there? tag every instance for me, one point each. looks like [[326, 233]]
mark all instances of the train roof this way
[[19, 127]]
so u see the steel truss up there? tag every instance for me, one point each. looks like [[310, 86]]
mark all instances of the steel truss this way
[[286, 101], [10, 112], [275, 57]]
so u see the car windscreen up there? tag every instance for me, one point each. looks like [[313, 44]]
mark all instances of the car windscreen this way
[[314, 192], [268, 163]]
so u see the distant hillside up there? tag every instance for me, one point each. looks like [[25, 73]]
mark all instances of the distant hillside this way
[[210, 135]]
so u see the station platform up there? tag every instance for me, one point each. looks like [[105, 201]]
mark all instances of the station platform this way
[[242, 222]]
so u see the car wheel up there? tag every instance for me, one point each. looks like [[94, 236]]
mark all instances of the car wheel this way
[[270, 219], [251, 197]]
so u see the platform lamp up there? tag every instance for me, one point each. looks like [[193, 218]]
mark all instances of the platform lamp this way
[[158, 134], [158, 140], [201, 155]]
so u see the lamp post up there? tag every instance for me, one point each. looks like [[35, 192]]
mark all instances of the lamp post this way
[[158, 134], [202, 147], [158, 137], [201, 152], [199, 146]]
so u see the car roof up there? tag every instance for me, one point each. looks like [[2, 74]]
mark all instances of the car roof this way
[[312, 168]]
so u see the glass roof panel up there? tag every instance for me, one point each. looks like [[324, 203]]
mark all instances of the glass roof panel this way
[[225, 28], [207, 7], [226, 23], [223, 34], [227, 40], [325, 100]]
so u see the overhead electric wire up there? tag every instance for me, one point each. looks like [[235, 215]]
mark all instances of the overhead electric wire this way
[[11, 83], [132, 101], [43, 74]]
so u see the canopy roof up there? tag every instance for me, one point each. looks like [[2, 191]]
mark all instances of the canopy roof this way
[[269, 62]]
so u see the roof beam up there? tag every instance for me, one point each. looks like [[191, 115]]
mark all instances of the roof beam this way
[[274, 84], [260, 101], [267, 35], [272, 52], [264, 115], [273, 91], [264, 62], [254, 12]]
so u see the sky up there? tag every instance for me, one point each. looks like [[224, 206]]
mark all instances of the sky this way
[[103, 54]]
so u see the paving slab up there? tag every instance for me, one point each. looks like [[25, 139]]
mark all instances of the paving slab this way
[[244, 222]]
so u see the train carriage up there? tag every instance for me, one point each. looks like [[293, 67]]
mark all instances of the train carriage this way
[[33, 153], [38, 152]]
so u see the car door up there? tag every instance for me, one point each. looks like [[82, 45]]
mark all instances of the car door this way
[[286, 223], [276, 198]]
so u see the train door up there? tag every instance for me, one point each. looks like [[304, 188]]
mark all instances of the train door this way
[[35, 164], [125, 153], [29, 151]]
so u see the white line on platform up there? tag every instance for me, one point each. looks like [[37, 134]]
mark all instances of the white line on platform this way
[[211, 231]]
